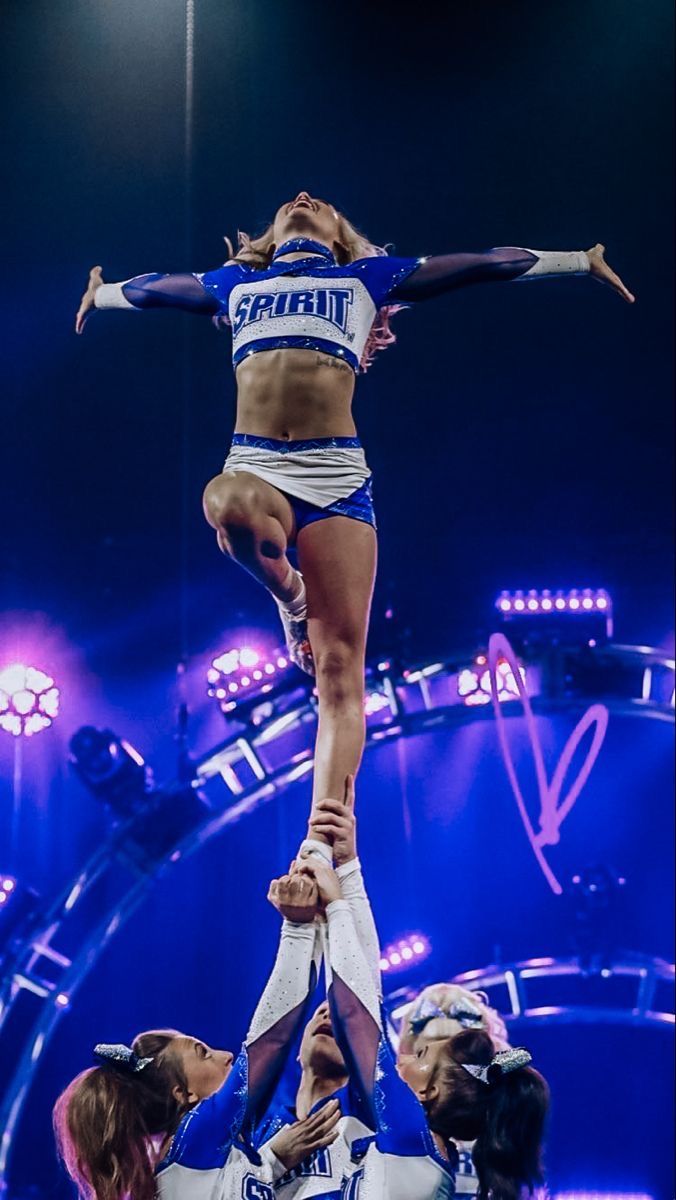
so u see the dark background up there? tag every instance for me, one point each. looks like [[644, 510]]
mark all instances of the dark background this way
[[520, 437]]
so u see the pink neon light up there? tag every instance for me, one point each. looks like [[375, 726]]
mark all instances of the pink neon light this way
[[552, 813]]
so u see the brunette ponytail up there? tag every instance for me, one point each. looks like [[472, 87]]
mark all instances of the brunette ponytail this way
[[508, 1151], [505, 1117], [107, 1122]]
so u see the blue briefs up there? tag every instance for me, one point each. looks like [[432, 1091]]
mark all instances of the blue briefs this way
[[320, 477]]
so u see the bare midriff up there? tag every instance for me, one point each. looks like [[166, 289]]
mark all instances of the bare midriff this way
[[292, 395]]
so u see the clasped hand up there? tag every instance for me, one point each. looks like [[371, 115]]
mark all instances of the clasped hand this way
[[311, 884]]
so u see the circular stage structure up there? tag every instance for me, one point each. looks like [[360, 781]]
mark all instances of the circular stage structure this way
[[54, 946]]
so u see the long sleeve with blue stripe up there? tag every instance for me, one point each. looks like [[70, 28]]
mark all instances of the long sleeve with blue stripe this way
[[388, 278], [212, 1146], [402, 1162], [315, 304]]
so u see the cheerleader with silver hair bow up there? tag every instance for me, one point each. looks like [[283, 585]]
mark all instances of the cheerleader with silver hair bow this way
[[173, 1118], [441, 1011], [309, 303]]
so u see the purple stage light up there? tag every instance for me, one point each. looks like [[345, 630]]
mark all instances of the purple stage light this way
[[375, 702], [574, 600], [576, 603], [248, 657], [29, 700], [244, 670], [587, 1195], [474, 683], [408, 951], [7, 888]]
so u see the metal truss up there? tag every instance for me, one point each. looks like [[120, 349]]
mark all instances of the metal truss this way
[[58, 944], [628, 989]]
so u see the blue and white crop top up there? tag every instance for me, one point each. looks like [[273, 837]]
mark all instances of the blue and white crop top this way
[[307, 304], [314, 303]]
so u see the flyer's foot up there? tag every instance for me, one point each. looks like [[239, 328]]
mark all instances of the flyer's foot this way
[[294, 620]]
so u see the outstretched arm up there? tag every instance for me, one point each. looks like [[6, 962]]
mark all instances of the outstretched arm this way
[[238, 1104], [445, 272], [353, 995], [282, 1006], [397, 1115], [184, 292]]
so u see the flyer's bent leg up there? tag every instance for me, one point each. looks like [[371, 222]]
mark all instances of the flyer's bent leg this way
[[254, 524]]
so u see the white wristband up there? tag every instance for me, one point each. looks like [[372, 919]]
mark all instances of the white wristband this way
[[348, 868], [320, 849], [110, 295], [275, 1168], [557, 262]]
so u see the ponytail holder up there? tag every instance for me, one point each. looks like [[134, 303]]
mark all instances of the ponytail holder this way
[[504, 1061], [122, 1058]]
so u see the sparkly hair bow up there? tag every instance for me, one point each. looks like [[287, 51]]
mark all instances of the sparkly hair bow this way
[[461, 1013], [505, 1061], [122, 1058]]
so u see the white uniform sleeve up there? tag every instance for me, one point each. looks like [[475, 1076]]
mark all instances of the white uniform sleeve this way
[[273, 1169], [354, 1003], [557, 262], [291, 980], [297, 966], [354, 891]]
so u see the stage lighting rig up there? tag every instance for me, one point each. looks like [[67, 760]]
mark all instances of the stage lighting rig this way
[[569, 618], [474, 682], [111, 769], [243, 674]]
